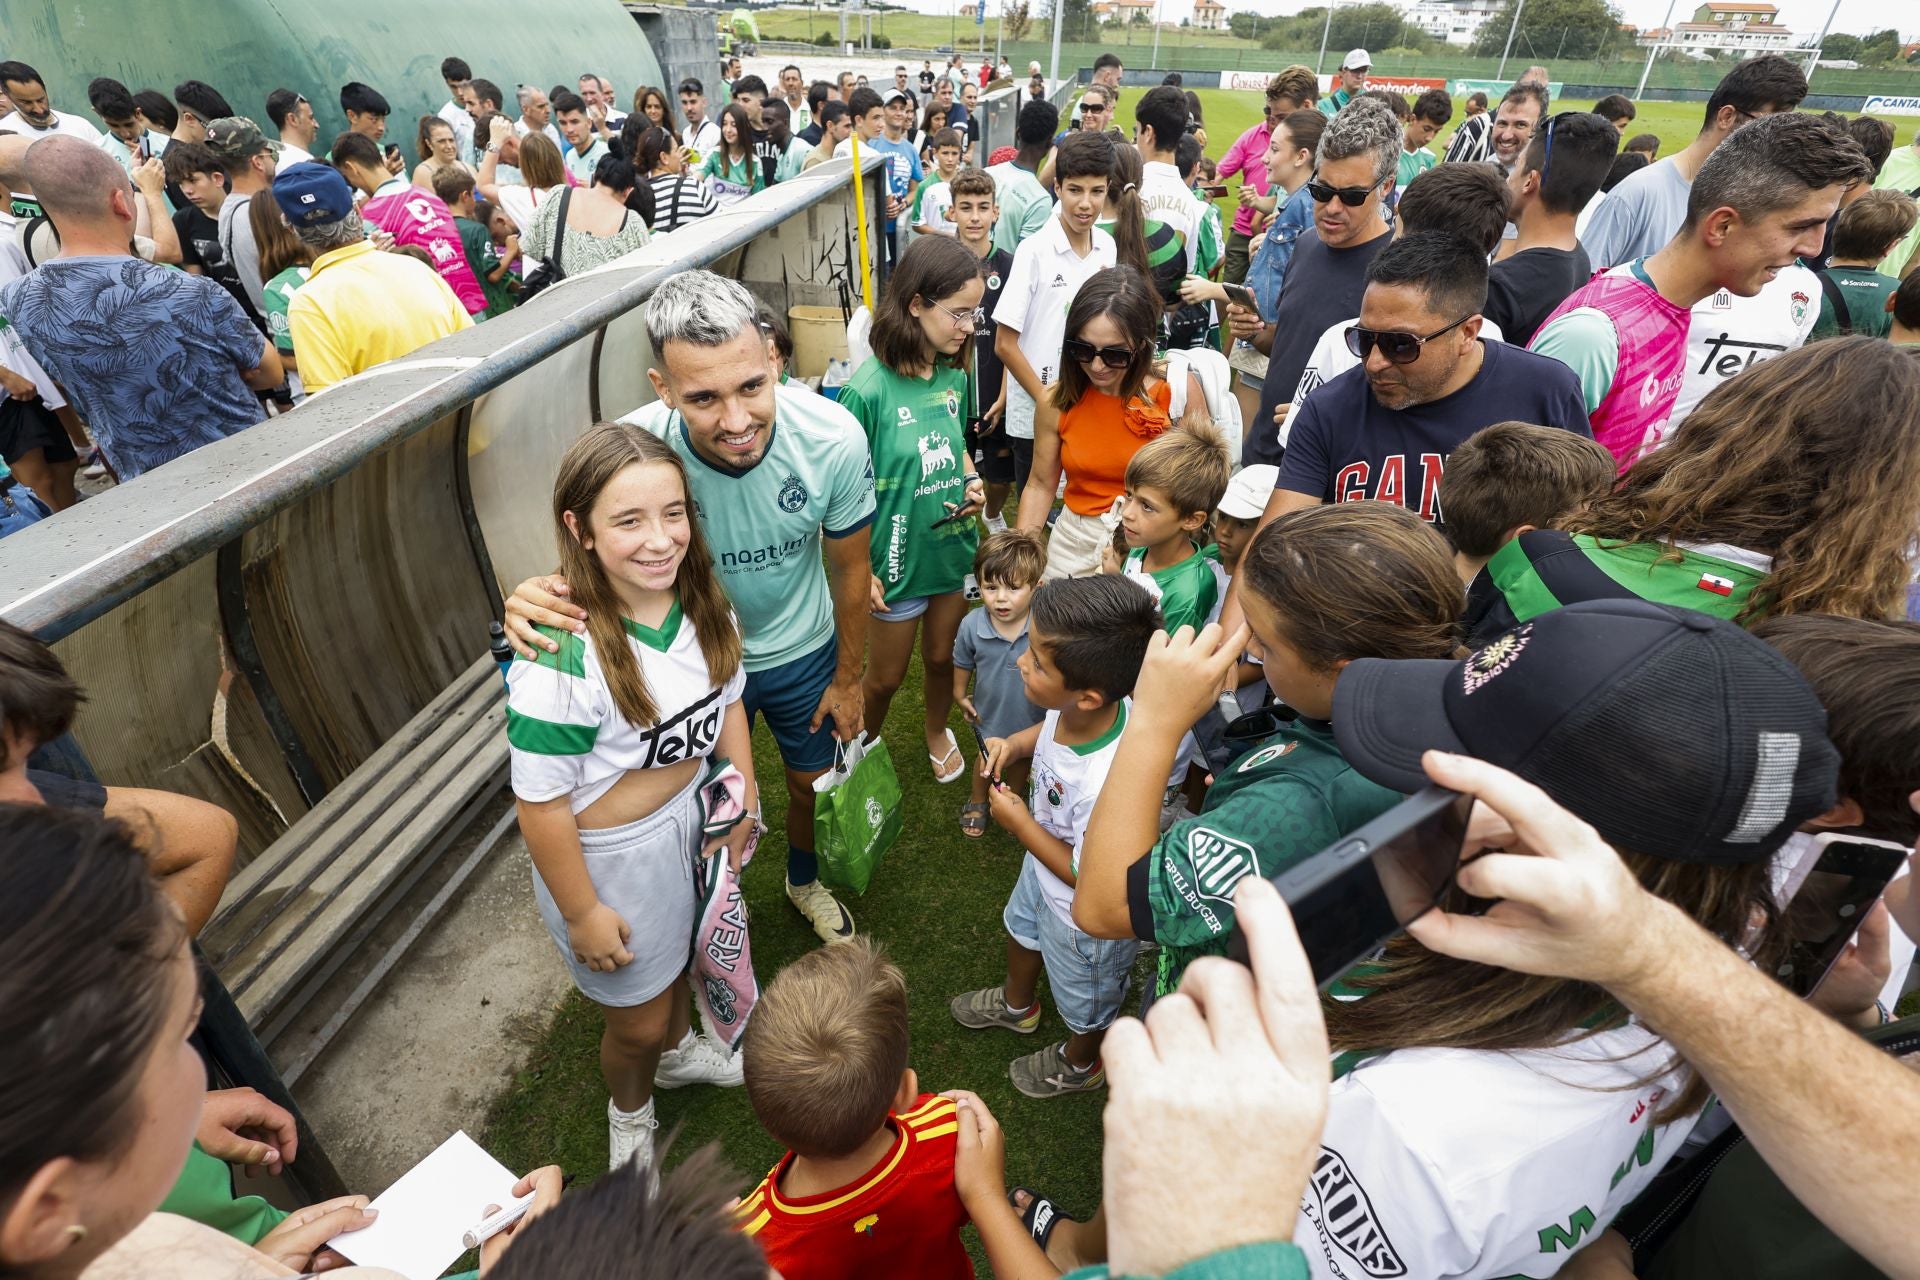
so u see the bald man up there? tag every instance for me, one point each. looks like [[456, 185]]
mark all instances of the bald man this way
[[158, 362]]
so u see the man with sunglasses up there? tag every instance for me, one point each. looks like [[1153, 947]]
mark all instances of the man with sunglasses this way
[[1358, 155], [1426, 382], [1287, 92], [1760, 201]]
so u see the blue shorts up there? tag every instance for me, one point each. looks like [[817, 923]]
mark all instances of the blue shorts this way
[[903, 610], [1087, 975], [788, 695]]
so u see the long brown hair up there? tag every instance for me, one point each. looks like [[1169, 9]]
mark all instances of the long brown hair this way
[[742, 133], [1123, 295], [1356, 580], [589, 465], [1416, 998], [1813, 458], [540, 163], [279, 247], [1129, 215], [640, 99], [933, 269]]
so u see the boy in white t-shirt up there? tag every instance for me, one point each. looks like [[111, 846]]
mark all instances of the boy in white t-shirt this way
[[1086, 638], [1049, 267], [933, 207]]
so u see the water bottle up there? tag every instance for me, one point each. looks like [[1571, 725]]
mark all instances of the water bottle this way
[[498, 646]]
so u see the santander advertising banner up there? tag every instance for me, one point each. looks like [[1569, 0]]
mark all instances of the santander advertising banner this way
[[1408, 86]]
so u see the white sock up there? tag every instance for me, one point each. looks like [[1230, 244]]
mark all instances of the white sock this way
[[644, 1113]]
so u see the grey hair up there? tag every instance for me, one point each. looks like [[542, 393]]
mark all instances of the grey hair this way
[[324, 236], [701, 308], [523, 94], [1365, 126]]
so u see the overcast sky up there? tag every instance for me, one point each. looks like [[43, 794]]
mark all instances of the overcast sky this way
[[1802, 16]]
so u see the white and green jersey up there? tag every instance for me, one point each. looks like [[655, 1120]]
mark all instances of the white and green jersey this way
[[933, 208], [1066, 780], [567, 738], [764, 524], [1189, 594], [1488, 1165]]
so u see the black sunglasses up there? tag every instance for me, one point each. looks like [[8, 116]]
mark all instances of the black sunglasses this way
[[1086, 353], [1352, 197], [1398, 348]]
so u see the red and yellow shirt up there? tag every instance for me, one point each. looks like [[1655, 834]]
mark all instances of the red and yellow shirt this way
[[900, 1218]]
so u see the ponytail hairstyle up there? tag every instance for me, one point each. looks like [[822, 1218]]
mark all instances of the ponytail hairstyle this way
[[589, 465], [1123, 295], [423, 135], [933, 269], [1129, 215], [1356, 580]]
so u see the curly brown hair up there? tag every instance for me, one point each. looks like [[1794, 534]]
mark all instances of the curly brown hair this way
[[1812, 458]]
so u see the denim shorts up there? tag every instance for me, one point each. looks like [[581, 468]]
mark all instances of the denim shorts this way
[[1087, 975], [787, 696], [902, 610]]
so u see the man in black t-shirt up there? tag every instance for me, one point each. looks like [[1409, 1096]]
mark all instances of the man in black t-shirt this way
[[1426, 382], [198, 174], [1560, 171], [1359, 155], [973, 212]]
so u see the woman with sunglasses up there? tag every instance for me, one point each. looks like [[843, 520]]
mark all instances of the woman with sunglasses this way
[[913, 401], [1111, 398]]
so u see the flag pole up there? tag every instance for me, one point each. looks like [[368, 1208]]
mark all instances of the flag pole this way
[[860, 221]]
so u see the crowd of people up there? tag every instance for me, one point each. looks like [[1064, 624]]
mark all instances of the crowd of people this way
[[1588, 491]]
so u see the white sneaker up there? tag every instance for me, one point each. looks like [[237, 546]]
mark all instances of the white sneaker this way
[[630, 1136], [698, 1060], [970, 590], [996, 524], [823, 911]]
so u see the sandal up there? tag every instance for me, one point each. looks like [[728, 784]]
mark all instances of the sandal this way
[[1040, 1216], [973, 819], [952, 753]]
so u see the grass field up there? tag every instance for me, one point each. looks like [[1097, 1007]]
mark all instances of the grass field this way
[[936, 905]]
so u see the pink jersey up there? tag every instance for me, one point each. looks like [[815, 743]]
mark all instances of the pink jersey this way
[[420, 218], [1632, 416], [1248, 157]]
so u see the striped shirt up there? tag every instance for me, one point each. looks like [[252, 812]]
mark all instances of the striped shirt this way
[[679, 198], [901, 1218], [567, 738]]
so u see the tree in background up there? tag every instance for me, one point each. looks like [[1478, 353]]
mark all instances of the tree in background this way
[[1550, 29], [1016, 20], [1369, 26], [1244, 24]]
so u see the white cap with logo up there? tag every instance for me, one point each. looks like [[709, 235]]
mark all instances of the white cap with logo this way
[[1356, 60]]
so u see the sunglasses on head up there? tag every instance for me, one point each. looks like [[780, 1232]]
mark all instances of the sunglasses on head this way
[[1396, 348], [1352, 197], [1085, 353]]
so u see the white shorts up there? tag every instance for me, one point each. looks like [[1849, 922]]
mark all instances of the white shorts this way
[[645, 871], [1075, 544]]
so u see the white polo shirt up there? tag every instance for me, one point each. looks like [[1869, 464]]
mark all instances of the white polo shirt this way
[[1046, 275], [1167, 199]]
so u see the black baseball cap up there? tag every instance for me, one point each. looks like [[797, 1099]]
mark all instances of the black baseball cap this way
[[1674, 733]]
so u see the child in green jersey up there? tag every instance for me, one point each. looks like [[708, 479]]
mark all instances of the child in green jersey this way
[[912, 400], [1321, 587], [1173, 484]]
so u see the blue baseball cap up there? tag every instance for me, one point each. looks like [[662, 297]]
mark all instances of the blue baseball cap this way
[[312, 193]]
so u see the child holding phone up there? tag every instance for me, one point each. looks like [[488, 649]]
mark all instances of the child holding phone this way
[[912, 399], [1321, 587], [609, 738]]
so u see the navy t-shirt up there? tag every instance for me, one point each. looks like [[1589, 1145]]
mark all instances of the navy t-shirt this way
[[1346, 445]]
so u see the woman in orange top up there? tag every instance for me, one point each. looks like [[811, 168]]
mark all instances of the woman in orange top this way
[[1111, 400]]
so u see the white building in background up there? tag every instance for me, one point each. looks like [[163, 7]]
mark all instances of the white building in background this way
[[1734, 28], [1209, 15], [1457, 22]]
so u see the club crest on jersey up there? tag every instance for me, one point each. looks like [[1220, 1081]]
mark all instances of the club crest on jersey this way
[[1265, 755], [793, 494], [1219, 862], [953, 403], [1489, 662], [1054, 794], [1345, 1216], [993, 282], [1799, 306]]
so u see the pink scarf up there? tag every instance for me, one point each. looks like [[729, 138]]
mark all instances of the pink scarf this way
[[724, 988]]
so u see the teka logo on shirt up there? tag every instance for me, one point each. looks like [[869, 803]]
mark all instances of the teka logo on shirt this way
[[1219, 862], [1344, 1215]]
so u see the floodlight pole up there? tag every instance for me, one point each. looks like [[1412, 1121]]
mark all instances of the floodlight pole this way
[[1820, 40], [1319, 65], [1654, 48], [1518, 9], [1054, 74]]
